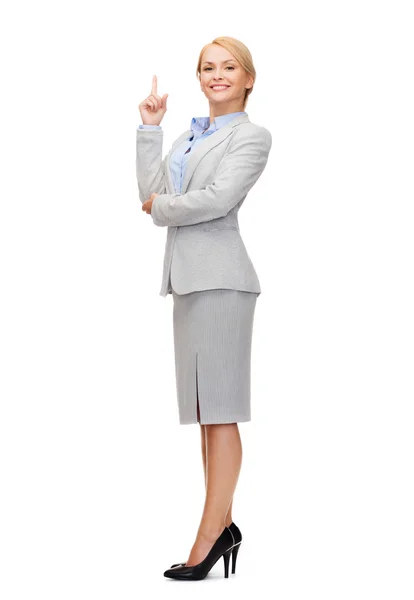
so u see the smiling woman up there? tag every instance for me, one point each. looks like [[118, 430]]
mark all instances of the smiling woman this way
[[196, 192], [226, 62]]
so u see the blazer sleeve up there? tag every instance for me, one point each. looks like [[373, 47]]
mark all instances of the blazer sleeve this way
[[150, 167], [239, 169]]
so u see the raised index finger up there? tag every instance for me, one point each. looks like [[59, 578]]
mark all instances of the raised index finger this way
[[154, 85]]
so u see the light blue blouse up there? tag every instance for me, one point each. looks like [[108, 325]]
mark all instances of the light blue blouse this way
[[201, 128]]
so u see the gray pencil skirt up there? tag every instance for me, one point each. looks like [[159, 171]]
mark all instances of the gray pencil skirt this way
[[212, 345]]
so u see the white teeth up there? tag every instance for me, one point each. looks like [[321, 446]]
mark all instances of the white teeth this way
[[220, 87]]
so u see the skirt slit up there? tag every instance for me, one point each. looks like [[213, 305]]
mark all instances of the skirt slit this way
[[198, 402]]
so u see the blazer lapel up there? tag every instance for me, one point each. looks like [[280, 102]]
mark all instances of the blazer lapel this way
[[178, 141], [201, 149]]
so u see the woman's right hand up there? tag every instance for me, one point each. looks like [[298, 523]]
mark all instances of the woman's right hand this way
[[153, 108]]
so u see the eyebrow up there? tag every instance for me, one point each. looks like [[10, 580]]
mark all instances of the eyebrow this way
[[208, 62]]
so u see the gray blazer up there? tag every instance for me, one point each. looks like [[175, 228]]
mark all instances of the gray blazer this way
[[204, 248]]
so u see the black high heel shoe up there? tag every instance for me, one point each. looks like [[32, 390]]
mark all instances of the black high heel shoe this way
[[222, 548], [235, 549]]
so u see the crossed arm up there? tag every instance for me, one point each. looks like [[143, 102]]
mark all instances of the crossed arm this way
[[239, 169]]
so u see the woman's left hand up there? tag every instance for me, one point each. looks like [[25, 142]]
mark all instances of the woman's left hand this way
[[147, 205]]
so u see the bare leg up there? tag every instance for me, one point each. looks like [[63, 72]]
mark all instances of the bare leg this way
[[223, 463], [229, 517]]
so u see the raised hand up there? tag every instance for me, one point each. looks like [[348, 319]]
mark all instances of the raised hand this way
[[153, 108]]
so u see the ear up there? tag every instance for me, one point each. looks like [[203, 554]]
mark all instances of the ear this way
[[250, 82]]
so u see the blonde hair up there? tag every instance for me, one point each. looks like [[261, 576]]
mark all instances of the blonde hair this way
[[240, 52]]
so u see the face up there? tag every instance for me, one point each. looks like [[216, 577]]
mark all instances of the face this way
[[218, 66]]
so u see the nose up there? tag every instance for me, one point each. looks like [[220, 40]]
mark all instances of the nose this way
[[217, 75]]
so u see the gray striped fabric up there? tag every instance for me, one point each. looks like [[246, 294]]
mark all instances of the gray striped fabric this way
[[212, 344]]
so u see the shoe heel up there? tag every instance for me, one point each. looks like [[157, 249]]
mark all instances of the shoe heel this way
[[234, 553], [226, 558]]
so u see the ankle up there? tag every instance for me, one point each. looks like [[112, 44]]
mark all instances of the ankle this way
[[209, 534]]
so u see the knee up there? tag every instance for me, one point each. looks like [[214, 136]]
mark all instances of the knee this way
[[211, 427]]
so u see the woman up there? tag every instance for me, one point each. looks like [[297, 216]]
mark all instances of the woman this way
[[196, 192]]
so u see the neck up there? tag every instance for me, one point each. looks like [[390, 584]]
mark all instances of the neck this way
[[224, 109]]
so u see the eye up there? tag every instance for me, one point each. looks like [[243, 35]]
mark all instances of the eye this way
[[207, 68]]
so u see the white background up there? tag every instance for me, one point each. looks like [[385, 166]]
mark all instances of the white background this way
[[101, 488]]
